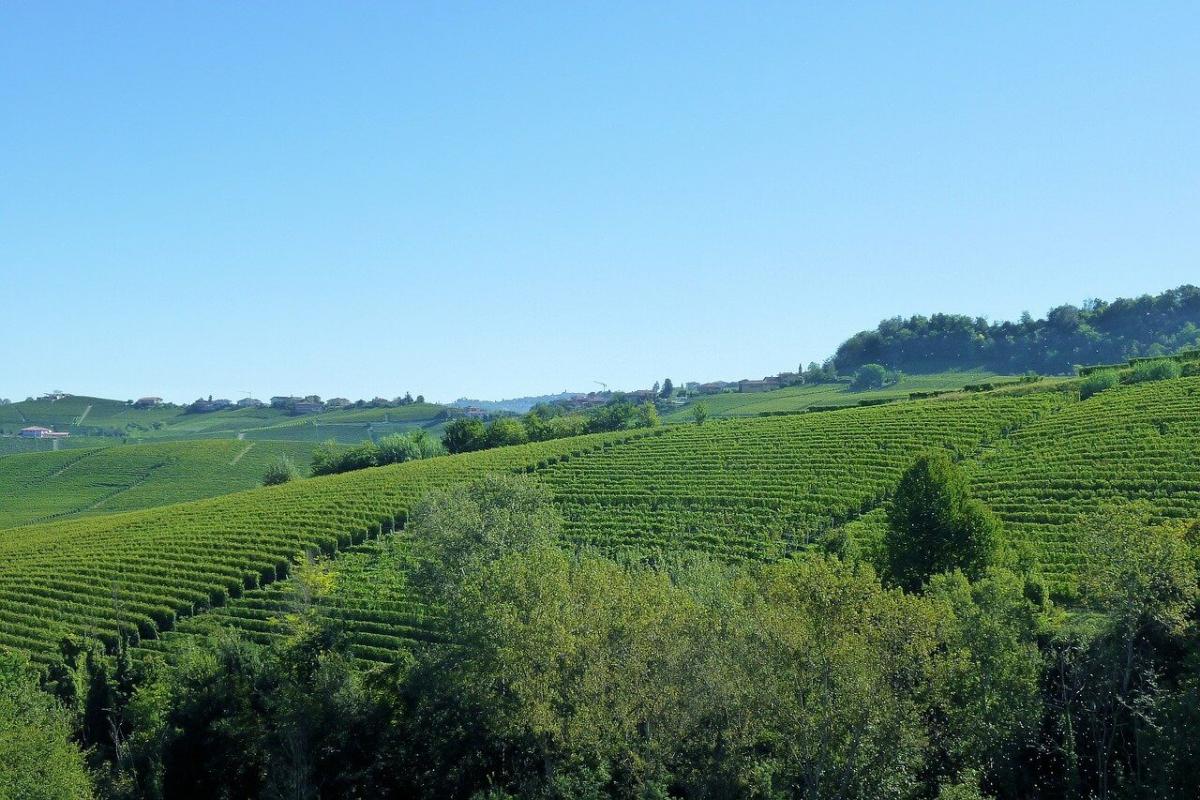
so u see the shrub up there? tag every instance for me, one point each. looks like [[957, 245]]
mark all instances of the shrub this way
[[1097, 382], [1159, 370], [282, 471], [869, 376]]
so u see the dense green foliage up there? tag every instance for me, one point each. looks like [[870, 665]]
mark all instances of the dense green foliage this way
[[282, 471], [564, 674], [870, 376], [1099, 332], [935, 526], [1098, 382], [38, 760], [330, 459], [545, 422]]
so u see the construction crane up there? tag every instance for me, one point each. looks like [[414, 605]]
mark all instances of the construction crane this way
[[601, 383]]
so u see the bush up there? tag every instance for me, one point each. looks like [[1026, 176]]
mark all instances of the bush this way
[[1160, 370], [282, 471], [869, 376], [1097, 382]]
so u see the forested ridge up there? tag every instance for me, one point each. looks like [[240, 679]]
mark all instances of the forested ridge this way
[[1096, 332]]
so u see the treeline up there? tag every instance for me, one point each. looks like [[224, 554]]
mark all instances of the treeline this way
[[330, 459], [943, 671], [544, 422], [1099, 332]]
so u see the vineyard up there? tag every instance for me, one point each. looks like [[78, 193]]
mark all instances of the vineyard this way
[[801, 398], [106, 422], [52, 485], [739, 489], [760, 488], [1129, 444], [136, 574]]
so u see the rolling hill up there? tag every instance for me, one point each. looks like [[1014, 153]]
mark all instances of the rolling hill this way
[[75, 482], [737, 489], [98, 422], [794, 399]]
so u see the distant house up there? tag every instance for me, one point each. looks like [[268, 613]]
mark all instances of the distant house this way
[[338, 402], [474, 412], [38, 432], [640, 395], [714, 387], [758, 386], [306, 407], [208, 406], [148, 402], [249, 402], [280, 401]]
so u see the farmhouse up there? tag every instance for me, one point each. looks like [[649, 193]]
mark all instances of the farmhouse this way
[[714, 387], [758, 386], [306, 407], [147, 402], [249, 402], [37, 432], [640, 395]]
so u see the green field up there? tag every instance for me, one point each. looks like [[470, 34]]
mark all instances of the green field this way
[[801, 398], [73, 482]]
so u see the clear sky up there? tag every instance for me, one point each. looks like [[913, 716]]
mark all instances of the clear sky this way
[[495, 199]]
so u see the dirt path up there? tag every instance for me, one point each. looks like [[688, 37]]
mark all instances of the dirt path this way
[[83, 416], [245, 450]]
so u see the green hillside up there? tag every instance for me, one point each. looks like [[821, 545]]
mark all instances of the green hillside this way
[[96, 422], [739, 489], [74, 482], [802, 398]]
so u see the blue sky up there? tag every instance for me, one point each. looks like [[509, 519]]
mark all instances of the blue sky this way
[[494, 199]]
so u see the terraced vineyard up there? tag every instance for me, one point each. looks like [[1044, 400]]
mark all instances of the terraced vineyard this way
[[740, 489], [42, 486], [801, 398], [752, 489], [673, 491], [138, 573], [1132, 443], [368, 602]]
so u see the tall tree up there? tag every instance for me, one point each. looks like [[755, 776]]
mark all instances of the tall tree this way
[[934, 525]]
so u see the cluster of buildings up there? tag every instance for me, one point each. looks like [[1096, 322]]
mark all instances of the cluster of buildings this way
[[38, 432], [767, 384]]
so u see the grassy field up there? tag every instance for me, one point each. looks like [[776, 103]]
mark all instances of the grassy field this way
[[74, 482], [800, 398]]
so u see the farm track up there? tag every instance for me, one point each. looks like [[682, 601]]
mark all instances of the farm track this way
[[83, 416], [69, 464], [241, 453]]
